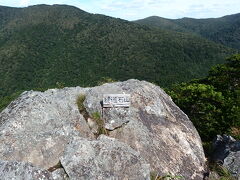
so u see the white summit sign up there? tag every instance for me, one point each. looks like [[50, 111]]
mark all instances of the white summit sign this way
[[116, 100]]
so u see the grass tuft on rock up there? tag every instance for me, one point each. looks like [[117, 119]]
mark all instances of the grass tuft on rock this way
[[223, 172], [96, 116], [155, 176], [80, 100]]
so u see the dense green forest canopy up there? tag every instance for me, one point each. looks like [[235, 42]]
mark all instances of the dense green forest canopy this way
[[224, 30], [213, 103], [41, 46]]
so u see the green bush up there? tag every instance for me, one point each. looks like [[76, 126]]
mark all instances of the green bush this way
[[105, 80], [60, 85], [203, 104], [213, 103], [6, 100]]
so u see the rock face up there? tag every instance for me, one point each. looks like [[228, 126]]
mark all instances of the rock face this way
[[115, 117], [44, 127], [103, 159], [156, 128], [22, 171], [60, 174], [227, 152], [37, 126], [232, 163]]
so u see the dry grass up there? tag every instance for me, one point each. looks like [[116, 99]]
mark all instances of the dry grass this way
[[100, 123], [235, 132]]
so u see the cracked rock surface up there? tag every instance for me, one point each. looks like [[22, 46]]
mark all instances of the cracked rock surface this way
[[103, 159], [37, 126], [43, 127]]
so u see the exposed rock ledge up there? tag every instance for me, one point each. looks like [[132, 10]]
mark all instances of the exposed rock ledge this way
[[38, 127], [227, 153]]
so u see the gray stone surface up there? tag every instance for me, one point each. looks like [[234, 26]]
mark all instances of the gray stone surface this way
[[60, 174], [227, 152], [22, 171], [222, 146], [37, 126], [103, 159], [156, 128], [232, 163], [115, 117], [212, 176]]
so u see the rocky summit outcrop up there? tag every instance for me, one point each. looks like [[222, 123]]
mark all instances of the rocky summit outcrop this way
[[226, 151], [37, 126], [156, 128], [104, 158], [153, 134]]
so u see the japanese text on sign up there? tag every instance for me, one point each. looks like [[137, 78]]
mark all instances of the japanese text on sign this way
[[116, 100]]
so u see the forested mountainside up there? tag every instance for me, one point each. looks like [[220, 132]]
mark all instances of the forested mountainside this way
[[41, 46], [224, 30]]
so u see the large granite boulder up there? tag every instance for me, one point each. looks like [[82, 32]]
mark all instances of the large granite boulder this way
[[226, 151], [13, 170], [156, 128], [37, 126], [103, 159]]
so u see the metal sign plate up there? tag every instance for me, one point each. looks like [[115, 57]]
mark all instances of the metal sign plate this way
[[116, 100]]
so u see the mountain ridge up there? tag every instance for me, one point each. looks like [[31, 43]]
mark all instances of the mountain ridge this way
[[224, 30], [44, 45]]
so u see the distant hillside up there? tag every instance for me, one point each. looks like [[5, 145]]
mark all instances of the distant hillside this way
[[163, 23], [224, 30], [44, 45]]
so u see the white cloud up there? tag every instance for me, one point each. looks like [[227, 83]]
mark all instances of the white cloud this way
[[136, 9], [24, 3]]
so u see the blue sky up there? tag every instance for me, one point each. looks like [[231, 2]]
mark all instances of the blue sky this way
[[137, 9]]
